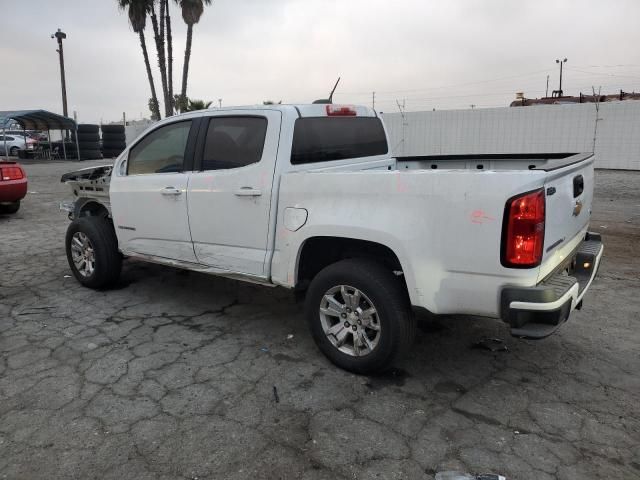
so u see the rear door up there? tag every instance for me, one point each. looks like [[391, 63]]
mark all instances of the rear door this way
[[149, 193], [230, 195]]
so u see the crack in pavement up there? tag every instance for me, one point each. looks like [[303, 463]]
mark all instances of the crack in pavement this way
[[171, 375]]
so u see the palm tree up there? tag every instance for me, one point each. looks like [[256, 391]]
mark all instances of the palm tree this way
[[191, 12], [169, 56], [159, 36], [194, 105], [137, 10]]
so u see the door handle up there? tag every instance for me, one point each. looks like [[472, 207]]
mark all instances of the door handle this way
[[171, 191], [248, 192]]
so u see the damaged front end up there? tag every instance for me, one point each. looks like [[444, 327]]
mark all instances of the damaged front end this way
[[89, 186]]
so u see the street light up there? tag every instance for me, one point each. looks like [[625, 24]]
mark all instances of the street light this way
[[560, 62], [60, 35]]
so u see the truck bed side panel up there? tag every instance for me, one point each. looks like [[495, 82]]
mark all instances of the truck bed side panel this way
[[444, 226]]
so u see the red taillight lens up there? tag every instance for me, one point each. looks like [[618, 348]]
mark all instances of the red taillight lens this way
[[523, 230], [341, 111], [11, 173]]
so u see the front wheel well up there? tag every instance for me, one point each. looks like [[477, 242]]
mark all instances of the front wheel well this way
[[320, 252], [92, 209]]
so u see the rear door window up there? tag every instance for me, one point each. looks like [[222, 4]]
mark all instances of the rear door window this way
[[323, 139], [233, 142]]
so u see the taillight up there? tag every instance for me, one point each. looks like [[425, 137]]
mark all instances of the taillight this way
[[523, 230], [341, 111], [11, 173]]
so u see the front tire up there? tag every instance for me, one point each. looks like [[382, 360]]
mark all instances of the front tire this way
[[359, 315], [92, 252], [13, 151]]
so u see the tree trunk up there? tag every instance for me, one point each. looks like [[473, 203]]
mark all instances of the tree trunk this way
[[161, 61], [170, 58], [187, 55], [162, 7], [154, 97]]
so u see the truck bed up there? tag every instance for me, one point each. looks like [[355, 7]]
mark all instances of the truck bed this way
[[492, 161]]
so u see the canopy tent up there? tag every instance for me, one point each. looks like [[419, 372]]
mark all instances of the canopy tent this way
[[36, 120], [39, 120]]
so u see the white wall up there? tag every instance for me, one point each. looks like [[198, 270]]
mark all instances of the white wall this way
[[534, 129], [133, 130]]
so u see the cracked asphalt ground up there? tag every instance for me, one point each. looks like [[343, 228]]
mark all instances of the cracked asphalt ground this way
[[172, 374]]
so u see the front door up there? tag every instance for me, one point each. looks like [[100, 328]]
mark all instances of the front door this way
[[149, 195], [230, 196]]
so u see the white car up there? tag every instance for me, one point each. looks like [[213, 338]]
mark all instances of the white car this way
[[309, 197], [14, 143]]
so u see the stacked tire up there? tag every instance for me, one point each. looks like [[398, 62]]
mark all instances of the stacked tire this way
[[88, 142], [113, 140]]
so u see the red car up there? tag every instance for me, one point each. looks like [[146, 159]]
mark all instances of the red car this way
[[13, 186]]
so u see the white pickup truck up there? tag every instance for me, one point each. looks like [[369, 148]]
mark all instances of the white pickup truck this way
[[309, 197]]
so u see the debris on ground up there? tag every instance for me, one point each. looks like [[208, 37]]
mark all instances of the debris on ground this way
[[264, 349], [290, 336], [275, 394], [491, 344]]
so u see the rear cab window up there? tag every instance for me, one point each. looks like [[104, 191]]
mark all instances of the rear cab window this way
[[324, 139]]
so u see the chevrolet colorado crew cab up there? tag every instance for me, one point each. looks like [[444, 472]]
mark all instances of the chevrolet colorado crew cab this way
[[309, 197]]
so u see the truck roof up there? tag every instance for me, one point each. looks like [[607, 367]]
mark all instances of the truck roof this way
[[301, 110]]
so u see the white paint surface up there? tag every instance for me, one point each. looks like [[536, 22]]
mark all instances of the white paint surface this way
[[534, 129]]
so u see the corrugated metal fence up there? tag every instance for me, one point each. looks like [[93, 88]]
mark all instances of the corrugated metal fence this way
[[534, 129]]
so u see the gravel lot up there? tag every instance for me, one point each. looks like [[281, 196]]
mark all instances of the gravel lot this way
[[172, 374]]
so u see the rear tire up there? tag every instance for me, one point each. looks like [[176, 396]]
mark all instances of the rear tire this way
[[340, 334], [11, 208], [13, 151], [93, 240]]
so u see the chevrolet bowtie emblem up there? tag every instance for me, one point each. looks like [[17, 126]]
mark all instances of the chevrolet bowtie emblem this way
[[577, 208]]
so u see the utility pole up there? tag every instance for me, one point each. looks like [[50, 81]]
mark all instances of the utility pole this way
[[219, 103], [546, 93], [373, 100], [560, 62], [60, 35]]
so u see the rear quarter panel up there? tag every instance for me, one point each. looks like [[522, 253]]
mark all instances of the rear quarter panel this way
[[444, 225]]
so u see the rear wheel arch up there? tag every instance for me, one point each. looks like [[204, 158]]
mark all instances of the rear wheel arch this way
[[316, 253]]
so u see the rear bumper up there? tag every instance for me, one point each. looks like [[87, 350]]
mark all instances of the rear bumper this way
[[537, 312], [13, 190]]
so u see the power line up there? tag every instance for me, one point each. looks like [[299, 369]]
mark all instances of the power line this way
[[368, 92], [604, 74], [393, 101]]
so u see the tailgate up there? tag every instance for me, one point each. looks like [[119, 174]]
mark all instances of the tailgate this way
[[569, 194]]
